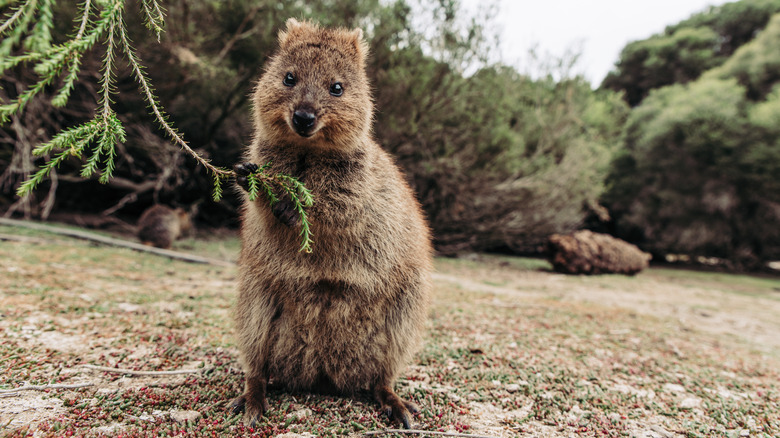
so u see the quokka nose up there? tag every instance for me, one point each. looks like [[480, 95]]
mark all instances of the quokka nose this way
[[303, 120]]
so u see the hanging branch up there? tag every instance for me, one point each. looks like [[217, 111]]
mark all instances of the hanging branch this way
[[300, 195], [95, 141]]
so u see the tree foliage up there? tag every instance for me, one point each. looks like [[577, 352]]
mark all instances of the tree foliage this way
[[499, 160], [95, 141], [755, 65], [686, 50], [699, 172]]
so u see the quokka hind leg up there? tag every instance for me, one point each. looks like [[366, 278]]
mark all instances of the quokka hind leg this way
[[252, 402], [396, 408]]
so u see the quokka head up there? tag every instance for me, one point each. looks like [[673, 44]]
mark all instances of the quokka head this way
[[314, 91]]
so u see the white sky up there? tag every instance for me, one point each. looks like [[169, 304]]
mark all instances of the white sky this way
[[597, 29]]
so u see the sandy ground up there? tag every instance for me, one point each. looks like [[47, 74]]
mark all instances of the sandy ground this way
[[746, 319], [749, 320]]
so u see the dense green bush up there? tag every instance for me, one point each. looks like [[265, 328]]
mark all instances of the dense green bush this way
[[698, 174], [687, 49]]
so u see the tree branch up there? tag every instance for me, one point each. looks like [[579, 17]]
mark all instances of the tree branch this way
[[114, 242], [44, 387]]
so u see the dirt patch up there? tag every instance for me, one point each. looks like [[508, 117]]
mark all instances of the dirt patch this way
[[22, 410], [749, 319]]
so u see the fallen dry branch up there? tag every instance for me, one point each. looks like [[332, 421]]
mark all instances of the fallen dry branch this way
[[422, 432], [140, 373], [113, 242], [24, 239], [43, 388]]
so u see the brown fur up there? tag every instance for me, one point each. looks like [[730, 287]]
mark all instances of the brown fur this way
[[160, 225], [349, 315]]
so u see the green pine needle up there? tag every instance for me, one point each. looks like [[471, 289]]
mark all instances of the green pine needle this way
[[29, 25], [300, 196]]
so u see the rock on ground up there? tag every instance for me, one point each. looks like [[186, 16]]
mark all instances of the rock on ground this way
[[586, 252]]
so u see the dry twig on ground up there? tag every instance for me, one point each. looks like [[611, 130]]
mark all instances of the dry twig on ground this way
[[4, 392], [139, 372]]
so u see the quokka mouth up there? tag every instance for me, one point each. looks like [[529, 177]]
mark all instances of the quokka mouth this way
[[305, 134]]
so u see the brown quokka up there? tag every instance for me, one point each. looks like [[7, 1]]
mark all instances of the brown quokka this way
[[349, 315], [160, 225]]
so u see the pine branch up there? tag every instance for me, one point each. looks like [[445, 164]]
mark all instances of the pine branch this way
[[105, 130], [159, 115], [301, 198], [84, 19], [24, 14], [153, 17], [8, 23], [40, 37]]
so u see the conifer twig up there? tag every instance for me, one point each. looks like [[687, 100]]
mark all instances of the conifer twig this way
[[94, 142], [161, 117], [92, 237], [12, 18], [84, 19]]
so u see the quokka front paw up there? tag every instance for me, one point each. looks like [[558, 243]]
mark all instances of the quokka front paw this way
[[242, 171], [284, 211]]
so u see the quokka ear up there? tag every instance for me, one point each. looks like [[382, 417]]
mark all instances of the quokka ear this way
[[360, 44], [292, 26]]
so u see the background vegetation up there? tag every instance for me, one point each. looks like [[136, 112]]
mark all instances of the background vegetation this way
[[680, 143], [699, 170]]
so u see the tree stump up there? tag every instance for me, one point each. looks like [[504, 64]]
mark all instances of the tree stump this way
[[586, 252]]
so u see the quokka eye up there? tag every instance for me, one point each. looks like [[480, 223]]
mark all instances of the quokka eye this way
[[289, 80], [336, 89]]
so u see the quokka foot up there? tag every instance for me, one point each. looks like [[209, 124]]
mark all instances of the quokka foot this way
[[396, 408]]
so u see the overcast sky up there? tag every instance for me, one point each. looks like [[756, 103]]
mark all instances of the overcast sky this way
[[597, 29]]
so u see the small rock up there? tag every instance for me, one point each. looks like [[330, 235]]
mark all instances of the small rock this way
[[512, 388], [110, 429], [300, 413], [146, 417], [106, 391], [662, 433], [689, 403], [673, 387], [129, 308], [185, 416]]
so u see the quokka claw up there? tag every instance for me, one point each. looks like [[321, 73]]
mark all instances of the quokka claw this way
[[242, 171], [237, 405]]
